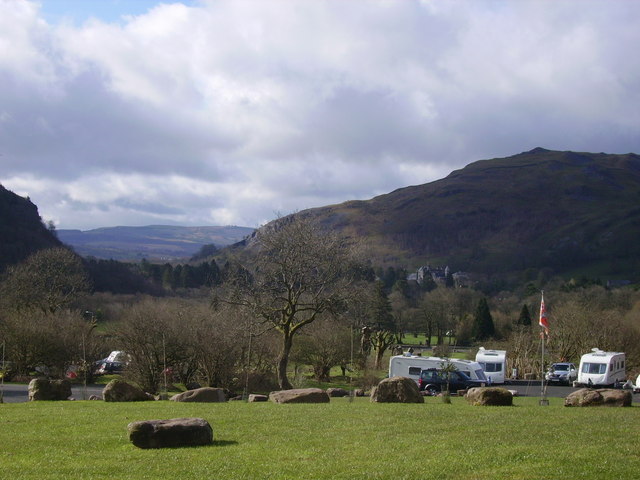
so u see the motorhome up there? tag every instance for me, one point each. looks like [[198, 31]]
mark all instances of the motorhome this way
[[601, 368], [408, 365], [494, 364]]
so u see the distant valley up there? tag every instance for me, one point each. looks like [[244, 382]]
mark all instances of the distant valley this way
[[154, 242]]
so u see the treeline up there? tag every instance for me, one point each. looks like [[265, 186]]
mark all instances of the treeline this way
[[151, 278]]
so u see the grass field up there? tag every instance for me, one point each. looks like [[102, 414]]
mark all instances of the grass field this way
[[344, 440]]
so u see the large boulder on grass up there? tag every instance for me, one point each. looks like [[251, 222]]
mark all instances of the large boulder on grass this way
[[490, 396], [118, 390], [204, 395], [300, 395], [397, 390], [337, 392], [175, 432], [586, 397], [45, 389]]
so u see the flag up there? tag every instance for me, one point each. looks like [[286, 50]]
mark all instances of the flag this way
[[543, 317]]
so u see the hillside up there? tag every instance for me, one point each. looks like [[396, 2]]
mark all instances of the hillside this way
[[155, 242], [21, 230], [565, 212]]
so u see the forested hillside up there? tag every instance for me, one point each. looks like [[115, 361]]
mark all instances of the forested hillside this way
[[565, 212], [21, 229]]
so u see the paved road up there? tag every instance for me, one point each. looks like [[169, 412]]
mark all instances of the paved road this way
[[15, 393]]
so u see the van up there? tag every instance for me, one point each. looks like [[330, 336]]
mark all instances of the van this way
[[601, 368], [408, 365], [494, 364]]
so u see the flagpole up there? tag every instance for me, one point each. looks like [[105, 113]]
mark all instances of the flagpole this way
[[543, 323]]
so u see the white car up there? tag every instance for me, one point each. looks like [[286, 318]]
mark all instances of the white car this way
[[562, 373]]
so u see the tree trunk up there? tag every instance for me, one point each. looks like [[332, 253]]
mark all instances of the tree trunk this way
[[283, 362]]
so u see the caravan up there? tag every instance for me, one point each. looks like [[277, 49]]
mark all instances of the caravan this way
[[601, 368], [494, 364], [408, 365]]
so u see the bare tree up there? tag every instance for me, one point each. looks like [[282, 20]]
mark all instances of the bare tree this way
[[324, 345], [49, 280], [299, 273]]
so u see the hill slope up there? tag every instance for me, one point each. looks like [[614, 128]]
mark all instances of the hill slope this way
[[162, 242], [565, 211], [21, 230]]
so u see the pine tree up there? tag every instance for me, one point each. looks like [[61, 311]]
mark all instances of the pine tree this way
[[483, 326], [525, 317]]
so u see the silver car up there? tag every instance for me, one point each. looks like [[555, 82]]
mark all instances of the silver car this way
[[562, 373]]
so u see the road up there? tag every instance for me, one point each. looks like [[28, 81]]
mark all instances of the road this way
[[16, 393]]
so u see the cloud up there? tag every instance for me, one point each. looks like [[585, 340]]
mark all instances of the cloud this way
[[227, 111]]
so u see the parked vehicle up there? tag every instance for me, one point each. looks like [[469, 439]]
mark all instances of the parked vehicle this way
[[494, 364], [562, 373], [114, 363], [410, 366], [434, 380], [601, 368]]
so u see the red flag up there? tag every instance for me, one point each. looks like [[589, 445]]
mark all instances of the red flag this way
[[543, 317]]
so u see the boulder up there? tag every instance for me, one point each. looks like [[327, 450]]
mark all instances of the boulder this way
[[491, 396], [204, 395], [118, 390], [397, 390], [45, 389], [337, 392], [175, 432], [300, 395], [587, 397], [254, 397], [359, 392]]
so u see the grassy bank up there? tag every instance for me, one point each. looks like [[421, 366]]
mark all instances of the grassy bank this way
[[359, 439]]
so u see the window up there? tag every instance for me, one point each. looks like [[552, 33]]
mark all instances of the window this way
[[594, 368], [414, 370], [492, 367]]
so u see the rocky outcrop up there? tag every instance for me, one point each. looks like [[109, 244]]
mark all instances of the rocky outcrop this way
[[204, 395], [607, 397], [118, 390], [489, 396], [176, 432], [300, 395], [45, 389], [397, 390]]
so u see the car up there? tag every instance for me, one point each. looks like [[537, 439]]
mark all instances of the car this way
[[561, 373], [434, 380], [107, 368]]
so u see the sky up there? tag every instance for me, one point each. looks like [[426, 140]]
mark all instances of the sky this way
[[232, 112]]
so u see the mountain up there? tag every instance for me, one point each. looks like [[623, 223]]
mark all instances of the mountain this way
[[155, 242], [21, 229], [563, 212]]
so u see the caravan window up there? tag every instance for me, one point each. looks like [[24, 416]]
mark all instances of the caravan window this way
[[492, 367], [414, 370], [594, 368]]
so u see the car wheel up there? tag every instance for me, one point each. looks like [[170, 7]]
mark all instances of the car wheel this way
[[431, 389]]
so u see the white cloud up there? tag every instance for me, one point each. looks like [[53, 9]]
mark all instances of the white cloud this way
[[227, 111]]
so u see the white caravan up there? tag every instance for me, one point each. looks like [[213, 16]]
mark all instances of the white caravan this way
[[601, 368], [494, 364], [408, 365]]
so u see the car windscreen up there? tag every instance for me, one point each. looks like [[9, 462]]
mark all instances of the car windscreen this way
[[480, 374], [560, 368], [594, 368]]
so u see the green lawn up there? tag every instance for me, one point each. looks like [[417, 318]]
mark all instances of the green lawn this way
[[344, 440]]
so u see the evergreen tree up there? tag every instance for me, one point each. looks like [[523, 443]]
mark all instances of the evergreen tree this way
[[525, 317], [483, 322]]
